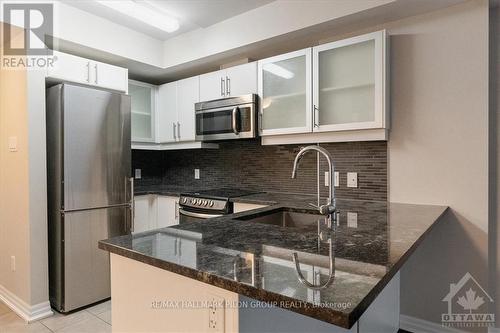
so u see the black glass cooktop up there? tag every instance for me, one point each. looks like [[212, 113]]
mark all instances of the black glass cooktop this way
[[220, 193]]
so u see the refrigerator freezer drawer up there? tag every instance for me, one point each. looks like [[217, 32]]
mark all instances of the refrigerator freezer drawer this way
[[85, 274]]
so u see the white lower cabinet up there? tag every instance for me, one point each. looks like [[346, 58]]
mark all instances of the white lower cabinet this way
[[144, 213], [154, 211], [168, 211]]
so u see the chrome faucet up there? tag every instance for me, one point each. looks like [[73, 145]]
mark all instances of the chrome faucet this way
[[329, 208]]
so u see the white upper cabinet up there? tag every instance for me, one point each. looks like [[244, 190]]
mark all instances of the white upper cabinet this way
[[143, 100], [109, 76], [187, 96], [167, 112], [71, 68], [349, 83], [241, 80], [334, 87], [212, 86], [233, 81], [176, 118], [285, 91]]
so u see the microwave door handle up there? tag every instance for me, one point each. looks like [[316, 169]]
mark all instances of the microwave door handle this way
[[234, 120]]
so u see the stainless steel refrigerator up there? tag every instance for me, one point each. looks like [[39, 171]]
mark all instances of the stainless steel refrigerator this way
[[89, 189]]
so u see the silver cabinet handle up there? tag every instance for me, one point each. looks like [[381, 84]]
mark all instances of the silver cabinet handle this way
[[88, 72], [228, 86], [234, 120], [176, 211], [179, 247], [175, 246], [95, 68], [175, 137], [316, 116], [178, 130], [222, 87], [132, 205]]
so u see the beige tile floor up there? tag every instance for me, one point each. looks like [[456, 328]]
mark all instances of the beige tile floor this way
[[96, 319]]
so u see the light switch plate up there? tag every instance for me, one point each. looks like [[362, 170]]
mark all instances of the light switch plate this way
[[352, 179], [12, 143], [337, 179], [196, 173], [352, 220], [138, 174]]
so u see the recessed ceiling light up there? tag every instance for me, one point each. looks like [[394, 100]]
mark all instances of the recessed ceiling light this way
[[278, 70], [144, 13]]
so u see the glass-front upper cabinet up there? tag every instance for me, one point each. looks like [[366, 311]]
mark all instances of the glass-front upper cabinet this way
[[349, 84], [284, 84], [143, 100]]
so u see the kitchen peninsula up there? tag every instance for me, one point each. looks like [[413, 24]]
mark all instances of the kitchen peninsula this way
[[235, 273]]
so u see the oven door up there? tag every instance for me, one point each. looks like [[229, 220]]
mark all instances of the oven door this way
[[226, 123], [186, 215]]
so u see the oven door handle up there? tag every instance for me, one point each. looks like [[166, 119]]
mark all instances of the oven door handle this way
[[235, 120], [199, 215]]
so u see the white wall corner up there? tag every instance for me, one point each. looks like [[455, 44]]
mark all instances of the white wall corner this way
[[29, 313], [413, 324]]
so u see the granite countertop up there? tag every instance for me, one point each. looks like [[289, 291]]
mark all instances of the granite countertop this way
[[371, 241]]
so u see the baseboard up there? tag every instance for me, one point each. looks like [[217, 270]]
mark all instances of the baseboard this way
[[416, 325], [29, 313]]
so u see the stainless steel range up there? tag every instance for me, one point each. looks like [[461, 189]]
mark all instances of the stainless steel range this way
[[206, 204]]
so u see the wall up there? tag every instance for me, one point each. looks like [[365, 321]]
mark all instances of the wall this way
[[14, 183], [247, 164], [23, 221], [438, 148]]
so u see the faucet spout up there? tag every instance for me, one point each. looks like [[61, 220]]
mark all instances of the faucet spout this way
[[329, 208]]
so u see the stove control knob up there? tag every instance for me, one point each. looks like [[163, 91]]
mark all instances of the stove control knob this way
[[205, 202], [211, 203], [193, 201]]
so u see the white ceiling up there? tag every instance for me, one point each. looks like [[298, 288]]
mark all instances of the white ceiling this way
[[192, 14]]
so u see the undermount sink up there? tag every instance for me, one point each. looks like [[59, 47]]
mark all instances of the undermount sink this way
[[285, 217]]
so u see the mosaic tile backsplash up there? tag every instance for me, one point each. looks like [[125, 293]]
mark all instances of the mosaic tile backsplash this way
[[248, 164]]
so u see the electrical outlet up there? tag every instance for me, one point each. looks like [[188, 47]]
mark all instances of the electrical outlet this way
[[352, 179], [13, 263], [196, 173], [216, 314], [138, 173], [352, 220], [335, 178]]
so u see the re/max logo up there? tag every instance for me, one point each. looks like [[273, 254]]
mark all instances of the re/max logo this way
[[37, 21]]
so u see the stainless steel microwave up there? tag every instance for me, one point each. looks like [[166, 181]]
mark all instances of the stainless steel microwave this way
[[227, 119]]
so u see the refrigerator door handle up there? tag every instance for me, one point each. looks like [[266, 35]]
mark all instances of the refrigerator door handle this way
[[132, 205]]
